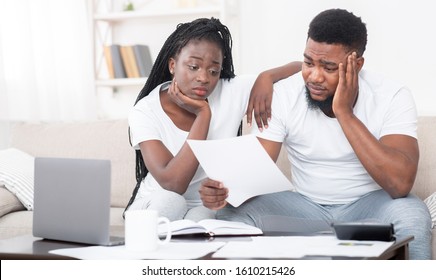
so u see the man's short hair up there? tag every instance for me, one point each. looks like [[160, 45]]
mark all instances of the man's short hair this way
[[337, 26]]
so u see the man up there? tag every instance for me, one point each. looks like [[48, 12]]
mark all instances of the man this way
[[350, 137]]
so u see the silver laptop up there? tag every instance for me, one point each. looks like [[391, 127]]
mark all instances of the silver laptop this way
[[72, 200]]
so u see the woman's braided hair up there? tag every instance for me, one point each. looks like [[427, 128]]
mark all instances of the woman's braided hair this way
[[211, 30]]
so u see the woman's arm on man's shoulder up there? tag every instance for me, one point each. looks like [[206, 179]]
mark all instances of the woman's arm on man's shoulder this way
[[262, 90]]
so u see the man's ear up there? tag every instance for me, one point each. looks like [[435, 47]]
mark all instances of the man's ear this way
[[359, 62]]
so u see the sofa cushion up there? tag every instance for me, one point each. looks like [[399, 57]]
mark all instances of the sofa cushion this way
[[9, 202], [16, 174], [16, 223], [88, 139], [431, 204], [425, 183]]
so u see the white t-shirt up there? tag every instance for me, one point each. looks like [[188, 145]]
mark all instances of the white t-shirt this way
[[323, 164], [148, 121]]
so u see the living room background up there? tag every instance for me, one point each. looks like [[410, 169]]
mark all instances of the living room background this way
[[46, 50]]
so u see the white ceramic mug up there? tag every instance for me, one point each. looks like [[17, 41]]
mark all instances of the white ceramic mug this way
[[141, 232]]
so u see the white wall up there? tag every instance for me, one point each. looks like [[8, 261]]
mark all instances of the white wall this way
[[401, 38]]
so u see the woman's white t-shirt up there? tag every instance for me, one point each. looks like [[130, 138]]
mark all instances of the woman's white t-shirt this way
[[148, 121]]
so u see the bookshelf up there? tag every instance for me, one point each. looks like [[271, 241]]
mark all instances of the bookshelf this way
[[112, 25]]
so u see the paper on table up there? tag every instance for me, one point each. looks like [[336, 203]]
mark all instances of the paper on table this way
[[242, 164], [170, 251], [300, 246]]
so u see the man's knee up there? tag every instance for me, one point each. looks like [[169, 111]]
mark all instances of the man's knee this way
[[410, 209], [410, 216], [230, 213]]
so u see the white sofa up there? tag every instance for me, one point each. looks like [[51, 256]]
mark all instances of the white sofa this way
[[109, 140]]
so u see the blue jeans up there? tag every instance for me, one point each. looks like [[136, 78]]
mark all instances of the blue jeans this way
[[409, 215]]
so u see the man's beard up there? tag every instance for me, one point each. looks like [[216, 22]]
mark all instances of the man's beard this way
[[325, 105]]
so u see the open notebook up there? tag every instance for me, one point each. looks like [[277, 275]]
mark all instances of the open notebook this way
[[210, 227]]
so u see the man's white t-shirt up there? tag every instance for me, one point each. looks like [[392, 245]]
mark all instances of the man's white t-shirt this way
[[323, 164], [148, 121]]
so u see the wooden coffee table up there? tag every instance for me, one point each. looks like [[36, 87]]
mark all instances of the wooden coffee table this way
[[27, 247]]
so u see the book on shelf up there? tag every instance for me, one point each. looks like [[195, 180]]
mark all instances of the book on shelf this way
[[129, 61], [143, 59], [209, 227], [108, 58], [117, 62]]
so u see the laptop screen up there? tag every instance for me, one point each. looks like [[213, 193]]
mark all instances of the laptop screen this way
[[72, 200]]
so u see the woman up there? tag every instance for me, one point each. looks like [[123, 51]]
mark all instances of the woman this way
[[192, 93]]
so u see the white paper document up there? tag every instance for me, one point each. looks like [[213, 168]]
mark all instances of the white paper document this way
[[301, 246], [242, 164], [170, 251]]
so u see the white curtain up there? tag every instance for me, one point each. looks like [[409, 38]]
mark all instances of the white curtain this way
[[46, 65]]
